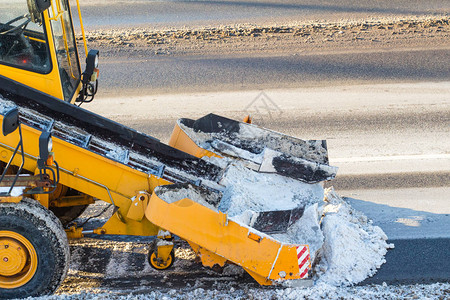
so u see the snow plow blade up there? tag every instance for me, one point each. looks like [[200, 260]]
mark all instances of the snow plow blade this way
[[260, 149], [191, 213], [277, 221]]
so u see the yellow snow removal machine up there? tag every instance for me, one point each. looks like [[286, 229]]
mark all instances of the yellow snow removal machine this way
[[56, 158]]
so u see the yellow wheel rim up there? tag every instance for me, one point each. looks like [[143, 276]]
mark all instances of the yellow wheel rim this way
[[18, 260], [157, 263]]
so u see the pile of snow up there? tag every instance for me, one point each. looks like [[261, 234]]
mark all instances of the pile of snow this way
[[353, 247], [345, 247]]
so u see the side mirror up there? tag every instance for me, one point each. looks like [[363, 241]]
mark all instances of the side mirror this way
[[10, 121], [91, 65], [9, 125], [45, 147], [36, 8]]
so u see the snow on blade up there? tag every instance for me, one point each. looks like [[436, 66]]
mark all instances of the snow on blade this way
[[246, 189]]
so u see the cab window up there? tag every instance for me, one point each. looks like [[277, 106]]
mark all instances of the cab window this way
[[22, 42], [66, 48]]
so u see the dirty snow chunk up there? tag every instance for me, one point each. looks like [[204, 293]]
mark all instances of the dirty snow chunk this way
[[15, 192], [306, 231], [282, 143], [246, 190], [174, 195], [232, 270], [164, 243], [247, 218], [222, 162], [271, 156], [228, 149], [200, 138], [353, 248]]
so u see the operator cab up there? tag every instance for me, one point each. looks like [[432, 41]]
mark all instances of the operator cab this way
[[21, 46], [38, 48]]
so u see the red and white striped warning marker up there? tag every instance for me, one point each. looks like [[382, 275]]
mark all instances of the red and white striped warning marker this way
[[303, 260]]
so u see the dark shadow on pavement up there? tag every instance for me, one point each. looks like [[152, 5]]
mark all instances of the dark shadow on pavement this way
[[415, 258]]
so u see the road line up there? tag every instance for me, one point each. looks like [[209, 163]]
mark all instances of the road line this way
[[389, 158]]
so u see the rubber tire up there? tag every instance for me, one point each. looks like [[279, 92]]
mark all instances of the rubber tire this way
[[45, 232], [68, 214], [172, 255]]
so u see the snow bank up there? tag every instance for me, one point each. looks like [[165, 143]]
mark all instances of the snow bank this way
[[353, 248], [320, 291]]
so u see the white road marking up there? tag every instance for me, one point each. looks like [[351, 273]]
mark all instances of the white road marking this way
[[389, 158]]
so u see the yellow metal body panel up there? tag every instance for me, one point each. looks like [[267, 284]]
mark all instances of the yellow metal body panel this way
[[120, 225], [209, 259], [44, 199], [264, 258], [180, 140], [138, 206], [164, 251], [11, 199]]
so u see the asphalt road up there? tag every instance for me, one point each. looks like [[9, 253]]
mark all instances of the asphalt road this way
[[415, 261], [149, 13], [185, 74]]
